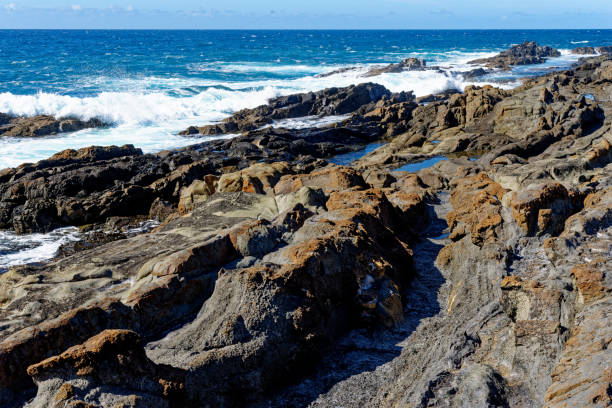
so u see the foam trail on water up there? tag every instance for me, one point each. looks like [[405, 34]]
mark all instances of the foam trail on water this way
[[33, 248], [135, 108]]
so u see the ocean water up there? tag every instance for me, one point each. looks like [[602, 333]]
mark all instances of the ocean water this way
[[152, 84]]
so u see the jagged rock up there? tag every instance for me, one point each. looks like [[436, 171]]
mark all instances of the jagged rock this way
[[330, 274], [474, 73], [583, 50], [477, 209], [408, 64], [332, 101], [541, 208], [328, 179], [109, 369], [42, 125], [335, 72], [89, 185], [259, 178], [604, 50], [523, 54]]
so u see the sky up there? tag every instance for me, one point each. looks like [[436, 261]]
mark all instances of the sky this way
[[309, 14]]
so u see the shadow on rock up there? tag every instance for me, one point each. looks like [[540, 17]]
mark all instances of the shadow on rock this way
[[363, 352]]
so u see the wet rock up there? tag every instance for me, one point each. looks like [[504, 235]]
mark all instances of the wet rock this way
[[604, 50], [474, 73], [42, 125], [583, 50], [408, 64], [89, 185], [482, 280], [332, 101], [523, 54]]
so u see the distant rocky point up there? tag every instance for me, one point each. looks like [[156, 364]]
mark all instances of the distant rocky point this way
[[526, 53]]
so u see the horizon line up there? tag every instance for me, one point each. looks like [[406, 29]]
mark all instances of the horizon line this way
[[308, 29]]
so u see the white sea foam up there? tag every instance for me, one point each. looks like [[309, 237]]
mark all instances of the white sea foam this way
[[253, 67], [135, 108], [25, 249], [308, 121]]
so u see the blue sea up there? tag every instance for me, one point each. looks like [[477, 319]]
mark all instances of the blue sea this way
[[151, 84]]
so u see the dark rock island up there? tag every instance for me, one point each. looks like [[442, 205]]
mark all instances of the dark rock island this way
[[526, 53], [42, 125]]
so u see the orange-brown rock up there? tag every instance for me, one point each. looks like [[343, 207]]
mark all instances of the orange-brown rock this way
[[328, 179], [477, 209], [590, 280], [197, 192], [583, 375], [259, 178], [541, 208], [112, 358]]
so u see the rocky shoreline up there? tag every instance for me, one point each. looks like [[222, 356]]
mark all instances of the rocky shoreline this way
[[278, 279]]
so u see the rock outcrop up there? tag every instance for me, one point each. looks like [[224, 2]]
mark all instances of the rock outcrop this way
[[92, 184], [42, 125], [526, 53], [604, 50], [277, 279], [408, 64], [583, 50], [332, 101]]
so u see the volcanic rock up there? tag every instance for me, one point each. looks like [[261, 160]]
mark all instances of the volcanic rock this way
[[42, 125], [523, 54], [332, 101], [408, 64], [583, 50]]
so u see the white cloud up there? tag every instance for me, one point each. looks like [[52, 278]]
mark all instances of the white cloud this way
[[76, 7], [10, 6], [129, 8]]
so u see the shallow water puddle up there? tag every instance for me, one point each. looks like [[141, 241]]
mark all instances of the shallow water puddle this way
[[414, 167], [348, 158]]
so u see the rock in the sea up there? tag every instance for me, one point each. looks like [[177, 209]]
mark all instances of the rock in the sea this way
[[332, 101], [583, 50], [43, 125], [408, 64], [523, 54], [604, 50]]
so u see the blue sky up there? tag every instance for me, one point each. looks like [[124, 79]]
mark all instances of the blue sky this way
[[258, 14]]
